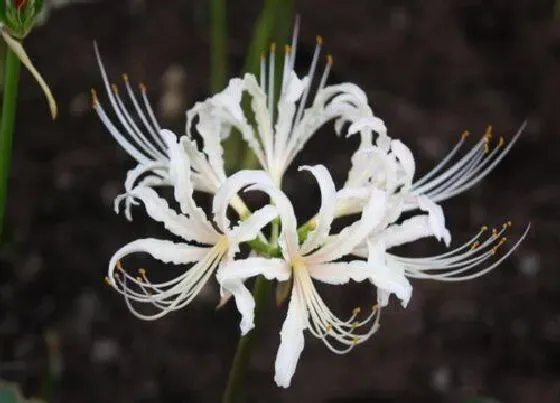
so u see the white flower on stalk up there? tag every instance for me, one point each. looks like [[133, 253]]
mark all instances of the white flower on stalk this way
[[282, 128], [391, 170], [142, 138], [317, 258], [204, 247], [139, 135]]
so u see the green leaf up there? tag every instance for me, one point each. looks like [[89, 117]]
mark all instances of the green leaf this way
[[11, 393]]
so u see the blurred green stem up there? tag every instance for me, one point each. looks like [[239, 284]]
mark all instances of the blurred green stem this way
[[12, 67], [219, 60], [236, 380]]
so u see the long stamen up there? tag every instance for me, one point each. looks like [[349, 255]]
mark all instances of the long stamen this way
[[262, 75], [271, 79], [453, 265], [326, 71], [316, 53]]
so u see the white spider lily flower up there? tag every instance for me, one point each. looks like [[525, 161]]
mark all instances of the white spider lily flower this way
[[468, 261], [205, 248], [285, 126], [317, 258], [139, 135], [391, 170]]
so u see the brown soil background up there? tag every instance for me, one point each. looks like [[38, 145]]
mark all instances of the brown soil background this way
[[431, 69]]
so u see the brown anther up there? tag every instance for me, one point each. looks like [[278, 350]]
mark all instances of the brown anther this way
[[375, 307], [124, 76], [119, 265], [330, 59], [328, 327], [486, 148], [319, 39], [501, 141], [273, 47], [142, 271], [475, 245], [465, 134], [142, 87], [356, 310], [94, 100], [114, 88]]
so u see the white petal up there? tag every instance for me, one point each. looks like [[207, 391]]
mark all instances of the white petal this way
[[350, 237], [389, 279], [436, 217], [231, 187], [158, 209], [406, 159], [232, 275], [291, 341], [326, 213], [414, 228], [341, 272], [250, 228], [165, 251], [180, 176]]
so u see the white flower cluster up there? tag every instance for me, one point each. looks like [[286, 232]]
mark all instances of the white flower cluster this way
[[380, 188]]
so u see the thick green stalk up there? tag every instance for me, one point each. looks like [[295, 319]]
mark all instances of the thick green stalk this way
[[219, 61], [12, 67], [236, 381]]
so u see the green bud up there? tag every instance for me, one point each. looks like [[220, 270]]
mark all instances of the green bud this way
[[18, 16]]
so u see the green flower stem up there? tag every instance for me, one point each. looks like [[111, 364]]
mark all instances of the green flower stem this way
[[218, 55], [234, 389], [12, 67]]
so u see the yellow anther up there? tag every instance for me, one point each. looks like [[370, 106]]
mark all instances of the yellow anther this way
[[488, 132], [94, 100], [355, 339], [465, 134], [355, 324], [494, 232], [505, 225], [142, 271], [483, 228], [509, 224], [328, 327], [287, 49], [486, 148], [501, 141], [375, 307], [125, 76], [139, 279], [319, 39], [108, 280], [356, 310], [114, 87], [142, 87], [330, 59], [273, 47]]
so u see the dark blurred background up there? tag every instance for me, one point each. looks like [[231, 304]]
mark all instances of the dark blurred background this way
[[431, 69]]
